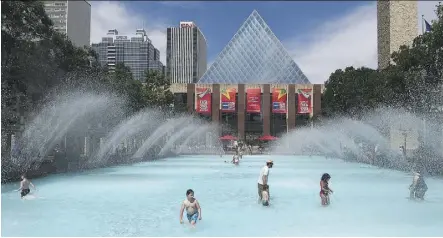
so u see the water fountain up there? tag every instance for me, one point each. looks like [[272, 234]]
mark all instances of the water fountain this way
[[294, 180], [167, 134], [363, 140], [71, 112], [139, 125]]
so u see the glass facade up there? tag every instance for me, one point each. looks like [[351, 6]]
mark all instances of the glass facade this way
[[254, 56]]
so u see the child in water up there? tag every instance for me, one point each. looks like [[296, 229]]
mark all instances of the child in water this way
[[193, 209], [324, 189]]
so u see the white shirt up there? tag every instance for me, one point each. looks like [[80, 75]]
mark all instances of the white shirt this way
[[264, 171]]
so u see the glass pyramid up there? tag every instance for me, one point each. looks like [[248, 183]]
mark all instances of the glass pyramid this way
[[254, 55]]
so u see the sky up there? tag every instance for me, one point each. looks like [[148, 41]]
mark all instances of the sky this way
[[320, 36]]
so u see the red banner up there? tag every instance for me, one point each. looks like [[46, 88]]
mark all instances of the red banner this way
[[304, 101], [253, 100], [279, 100], [227, 98], [203, 100]]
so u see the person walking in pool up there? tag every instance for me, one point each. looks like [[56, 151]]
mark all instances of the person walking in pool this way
[[24, 186], [263, 180], [193, 209], [325, 191]]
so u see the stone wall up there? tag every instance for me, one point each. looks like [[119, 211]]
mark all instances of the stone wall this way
[[397, 25]]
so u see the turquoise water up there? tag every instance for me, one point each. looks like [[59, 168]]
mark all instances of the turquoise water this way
[[144, 200]]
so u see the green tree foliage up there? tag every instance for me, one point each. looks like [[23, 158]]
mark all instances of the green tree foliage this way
[[36, 59], [414, 80], [122, 81], [157, 91]]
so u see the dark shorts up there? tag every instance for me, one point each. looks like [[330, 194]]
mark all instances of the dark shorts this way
[[25, 192], [262, 188]]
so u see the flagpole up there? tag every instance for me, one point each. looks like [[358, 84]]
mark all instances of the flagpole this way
[[422, 24]]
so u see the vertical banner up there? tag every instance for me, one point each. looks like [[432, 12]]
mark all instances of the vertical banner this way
[[279, 100], [203, 100], [304, 101], [227, 98], [253, 100]]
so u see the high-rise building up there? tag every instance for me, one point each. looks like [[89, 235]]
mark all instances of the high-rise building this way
[[186, 56], [135, 51], [72, 18], [397, 25], [254, 56]]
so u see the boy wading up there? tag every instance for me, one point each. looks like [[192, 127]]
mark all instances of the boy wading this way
[[263, 179]]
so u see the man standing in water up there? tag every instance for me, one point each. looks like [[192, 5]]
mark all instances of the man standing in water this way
[[24, 186], [263, 180]]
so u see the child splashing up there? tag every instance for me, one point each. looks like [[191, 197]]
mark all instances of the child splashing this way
[[324, 189], [193, 209]]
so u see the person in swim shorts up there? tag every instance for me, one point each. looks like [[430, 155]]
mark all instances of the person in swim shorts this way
[[24, 186], [324, 189], [193, 209], [263, 180]]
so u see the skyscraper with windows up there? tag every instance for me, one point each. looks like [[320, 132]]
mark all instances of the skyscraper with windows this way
[[72, 18], [135, 51], [186, 57]]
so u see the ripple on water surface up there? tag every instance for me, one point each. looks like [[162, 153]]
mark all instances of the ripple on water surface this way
[[144, 200]]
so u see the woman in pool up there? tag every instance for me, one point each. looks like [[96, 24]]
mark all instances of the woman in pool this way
[[324, 189]]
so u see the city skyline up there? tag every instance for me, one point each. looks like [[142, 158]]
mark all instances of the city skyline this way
[[319, 36]]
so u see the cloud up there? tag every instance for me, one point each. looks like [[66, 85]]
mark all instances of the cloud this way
[[108, 15], [350, 40]]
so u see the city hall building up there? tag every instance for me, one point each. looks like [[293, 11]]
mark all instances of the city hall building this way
[[253, 88]]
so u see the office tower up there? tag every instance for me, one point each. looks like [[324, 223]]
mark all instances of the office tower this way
[[135, 51], [254, 56], [186, 57], [397, 25], [72, 18]]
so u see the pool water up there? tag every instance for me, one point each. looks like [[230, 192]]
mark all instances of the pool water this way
[[144, 200]]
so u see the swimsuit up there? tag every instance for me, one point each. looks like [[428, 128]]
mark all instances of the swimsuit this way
[[193, 217], [25, 192], [325, 186]]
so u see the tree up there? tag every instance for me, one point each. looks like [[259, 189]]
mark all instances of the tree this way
[[414, 81], [35, 58], [353, 91], [123, 83], [157, 91]]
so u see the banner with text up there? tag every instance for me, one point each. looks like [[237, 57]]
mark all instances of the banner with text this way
[[253, 100], [203, 100], [227, 98], [304, 101], [279, 100]]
